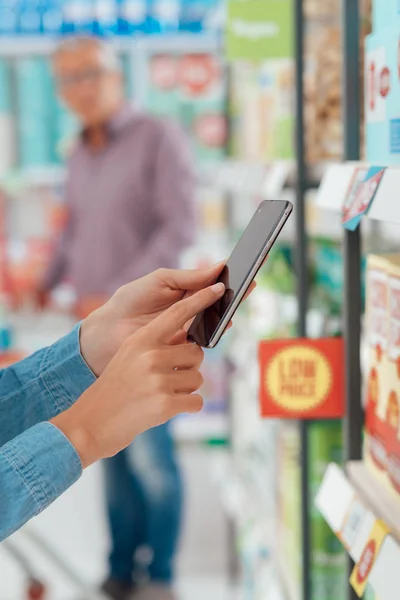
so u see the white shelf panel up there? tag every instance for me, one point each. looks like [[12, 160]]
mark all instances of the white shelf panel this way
[[201, 428], [336, 500], [336, 181], [14, 46]]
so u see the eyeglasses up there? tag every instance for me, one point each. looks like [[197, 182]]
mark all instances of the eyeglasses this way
[[90, 76]]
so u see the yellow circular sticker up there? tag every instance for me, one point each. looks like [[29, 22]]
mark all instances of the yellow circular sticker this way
[[298, 378]]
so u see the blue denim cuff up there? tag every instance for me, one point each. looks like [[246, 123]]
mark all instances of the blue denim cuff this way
[[64, 371], [46, 461]]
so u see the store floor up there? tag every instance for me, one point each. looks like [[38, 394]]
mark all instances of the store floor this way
[[76, 529]]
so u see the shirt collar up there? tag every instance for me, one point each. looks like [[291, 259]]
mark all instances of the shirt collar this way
[[117, 123]]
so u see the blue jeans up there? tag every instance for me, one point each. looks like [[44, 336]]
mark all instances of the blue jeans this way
[[144, 498]]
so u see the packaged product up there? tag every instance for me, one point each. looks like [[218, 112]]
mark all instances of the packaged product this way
[[7, 146], [382, 96], [384, 13], [382, 445], [329, 579], [191, 89], [34, 89]]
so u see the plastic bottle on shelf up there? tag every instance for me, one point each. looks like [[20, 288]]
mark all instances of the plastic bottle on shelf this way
[[33, 90], [7, 130], [163, 16], [9, 17], [78, 16], [106, 17], [52, 16], [132, 15], [29, 17], [196, 14]]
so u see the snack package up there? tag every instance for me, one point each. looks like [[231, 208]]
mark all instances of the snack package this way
[[382, 96], [382, 444], [384, 13]]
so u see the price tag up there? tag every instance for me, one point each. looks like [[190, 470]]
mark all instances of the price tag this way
[[360, 195], [352, 524], [362, 571]]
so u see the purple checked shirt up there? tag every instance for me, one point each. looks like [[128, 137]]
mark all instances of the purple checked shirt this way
[[131, 206]]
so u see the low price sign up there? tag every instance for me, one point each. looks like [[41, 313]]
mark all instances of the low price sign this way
[[302, 378]]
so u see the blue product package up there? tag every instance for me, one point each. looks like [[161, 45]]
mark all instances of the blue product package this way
[[78, 16], [105, 17], [9, 17], [382, 96], [52, 16], [383, 13], [132, 16], [29, 17], [196, 13], [33, 86], [163, 16]]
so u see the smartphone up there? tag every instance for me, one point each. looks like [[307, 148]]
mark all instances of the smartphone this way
[[240, 270]]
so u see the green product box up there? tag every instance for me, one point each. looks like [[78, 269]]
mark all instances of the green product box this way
[[329, 579]]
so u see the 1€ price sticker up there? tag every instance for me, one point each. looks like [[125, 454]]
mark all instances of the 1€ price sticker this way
[[362, 571]]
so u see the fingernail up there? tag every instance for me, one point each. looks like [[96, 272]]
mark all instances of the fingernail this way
[[218, 288]]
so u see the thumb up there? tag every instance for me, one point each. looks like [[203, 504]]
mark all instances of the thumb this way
[[164, 327]]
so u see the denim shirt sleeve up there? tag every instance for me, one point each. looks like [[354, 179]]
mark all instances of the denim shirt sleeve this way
[[37, 462]]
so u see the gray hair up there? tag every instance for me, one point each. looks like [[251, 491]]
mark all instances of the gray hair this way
[[107, 50]]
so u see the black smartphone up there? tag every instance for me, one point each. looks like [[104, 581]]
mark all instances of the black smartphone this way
[[240, 270]]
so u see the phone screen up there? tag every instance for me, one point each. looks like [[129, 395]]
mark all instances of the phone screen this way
[[238, 268]]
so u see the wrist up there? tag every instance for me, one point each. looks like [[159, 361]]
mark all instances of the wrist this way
[[92, 344], [72, 426]]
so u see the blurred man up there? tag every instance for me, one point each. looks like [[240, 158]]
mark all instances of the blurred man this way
[[130, 198]]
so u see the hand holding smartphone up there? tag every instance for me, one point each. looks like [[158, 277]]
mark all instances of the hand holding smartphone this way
[[240, 270]]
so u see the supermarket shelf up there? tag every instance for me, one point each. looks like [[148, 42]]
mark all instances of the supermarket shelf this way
[[286, 580], [383, 504], [201, 428], [336, 181], [180, 42], [14, 47], [351, 506]]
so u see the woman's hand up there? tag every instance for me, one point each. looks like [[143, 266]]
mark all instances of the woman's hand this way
[[135, 305], [151, 379]]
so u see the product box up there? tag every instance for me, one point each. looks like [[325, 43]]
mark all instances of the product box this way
[[191, 89], [329, 579], [382, 96], [383, 13], [382, 443], [262, 110]]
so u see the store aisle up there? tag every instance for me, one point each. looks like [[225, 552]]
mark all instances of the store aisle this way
[[76, 529]]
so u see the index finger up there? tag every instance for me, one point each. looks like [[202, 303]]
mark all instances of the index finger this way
[[164, 327]]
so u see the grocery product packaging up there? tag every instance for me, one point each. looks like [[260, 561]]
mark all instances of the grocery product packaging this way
[[8, 18], [34, 111], [191, 90], [132, 16], [262, 110], [383, 13], [289, 503], [7, 146], [329, 578], [382, 96], [382, 442]]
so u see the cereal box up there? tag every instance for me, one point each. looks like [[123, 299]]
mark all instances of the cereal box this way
[[382, 447]]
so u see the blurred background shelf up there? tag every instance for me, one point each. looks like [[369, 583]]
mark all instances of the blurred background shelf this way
[[352, 505]]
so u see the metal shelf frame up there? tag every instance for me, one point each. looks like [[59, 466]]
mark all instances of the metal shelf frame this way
[[353, 422]]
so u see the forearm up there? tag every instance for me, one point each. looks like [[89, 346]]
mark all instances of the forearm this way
[[41, 386], [35, 468]]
